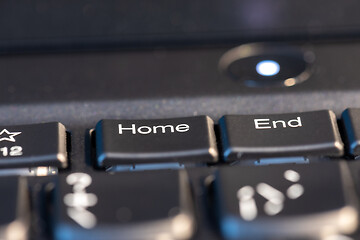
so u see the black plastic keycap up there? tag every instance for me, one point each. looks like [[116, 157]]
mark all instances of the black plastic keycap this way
[[305, 201], [14, 208], [182, 140], [351, 124], [125, 206], [33, 145], [292, 134]]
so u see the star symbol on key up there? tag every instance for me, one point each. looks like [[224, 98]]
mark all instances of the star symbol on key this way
[[5, 135]]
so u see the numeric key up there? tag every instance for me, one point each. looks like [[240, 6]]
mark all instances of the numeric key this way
[[286, 202], [128, 206], [33, 145]]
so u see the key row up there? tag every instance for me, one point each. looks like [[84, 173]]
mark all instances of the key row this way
[[189, 140], [290, 201]]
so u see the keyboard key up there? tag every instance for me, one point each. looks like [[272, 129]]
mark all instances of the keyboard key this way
[[292, 134], [33, 145], [128, 206], [351, 124], [182, 140], [14, 208], [286, 201]]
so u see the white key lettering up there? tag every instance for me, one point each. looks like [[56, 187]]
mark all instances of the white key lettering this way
[[265, 123], [144, 130]]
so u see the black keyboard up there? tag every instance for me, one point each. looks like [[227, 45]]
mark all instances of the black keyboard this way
[[267, 176], [179, 120]]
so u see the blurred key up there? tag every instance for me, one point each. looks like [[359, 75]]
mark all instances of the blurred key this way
[[14, 208], [351, 123], [42, 144], [277, 135], [128, 206], [285, 201]]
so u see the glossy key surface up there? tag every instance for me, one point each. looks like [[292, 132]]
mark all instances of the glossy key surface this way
[[183, 140], [285, 202], [275, 135], [42, 144]]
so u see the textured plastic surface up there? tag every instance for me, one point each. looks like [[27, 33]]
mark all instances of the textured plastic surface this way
[[155, 74], [45, 25]]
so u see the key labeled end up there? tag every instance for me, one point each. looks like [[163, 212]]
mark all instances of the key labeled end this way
[[277, 135], [183, 140]]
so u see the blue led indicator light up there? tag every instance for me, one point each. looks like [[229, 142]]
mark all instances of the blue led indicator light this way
[[267, 68]]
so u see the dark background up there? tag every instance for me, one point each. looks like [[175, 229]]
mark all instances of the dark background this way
[[57, 24]]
